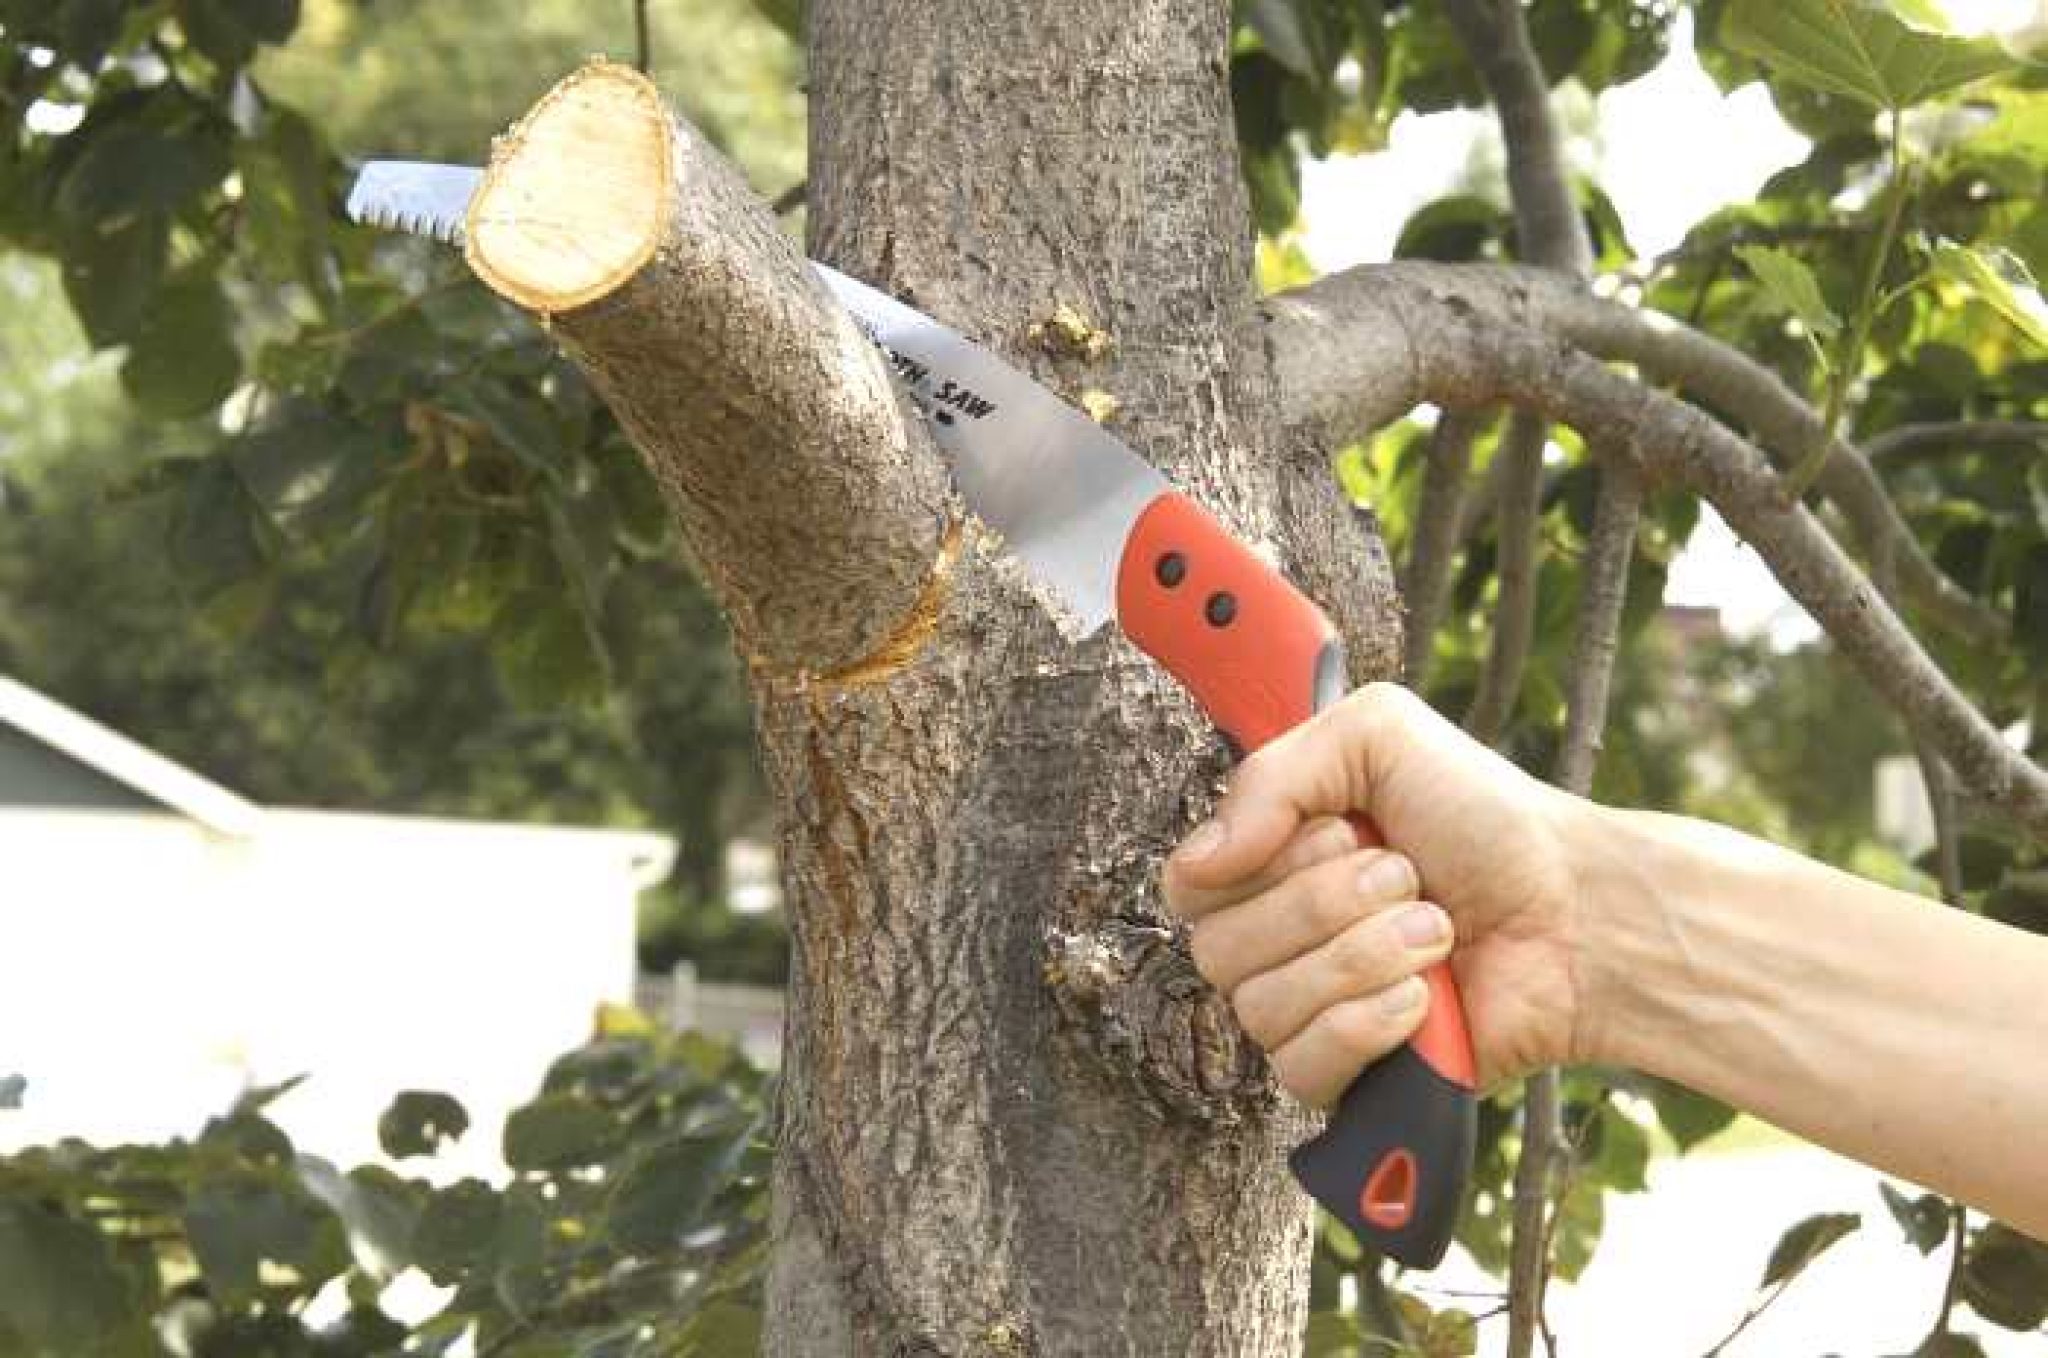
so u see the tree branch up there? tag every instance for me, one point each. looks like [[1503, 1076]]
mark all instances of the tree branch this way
[[816, 511], [1405, 336], [1329, 389], [1439, 517], [1605, 590], [643, 39], [1912, 442], [1495, 35], [1550, 232], [1514, 612]]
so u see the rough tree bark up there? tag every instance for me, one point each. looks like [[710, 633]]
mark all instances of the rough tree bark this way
[[1013, 1121]]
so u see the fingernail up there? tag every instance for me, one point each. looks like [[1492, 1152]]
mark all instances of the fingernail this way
[[1386, 876], [1422, 926], [1206, 840], [1400, 999]]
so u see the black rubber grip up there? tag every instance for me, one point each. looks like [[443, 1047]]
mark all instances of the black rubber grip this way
[[1399, 1105]]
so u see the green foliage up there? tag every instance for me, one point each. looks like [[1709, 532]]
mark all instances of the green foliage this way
[[360, 538], [1789, 285], [1806, 1242], [634, 1226], [1861, 49]]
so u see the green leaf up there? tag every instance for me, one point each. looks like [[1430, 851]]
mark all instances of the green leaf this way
[[86, 29], [1948, 1345], [1806, 1242], [2021, 900], [251, 1138], [1689, 1117], [239, 1222], [379, 1210], [457, 1230], [1333, 1334], [519, 1271], [111, 276], [664, 1190], [1925, 1219], [558, 1131], [1455, 229], [229, 30], [521, 424], [2030, 604], [2005, 1278], [183, 360], [60, 1290], [723, 1328], [1858, 49], [1791, 287], [213, 543], [546, 652], [142, 167], [1281, 26], [12, 1087], [418, 1122], [791, 16], [1999, 279]]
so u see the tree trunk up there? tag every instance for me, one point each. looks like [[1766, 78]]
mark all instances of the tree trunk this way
[[1013, 1121]]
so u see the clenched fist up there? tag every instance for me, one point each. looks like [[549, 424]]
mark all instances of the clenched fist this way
[[1319, 942]]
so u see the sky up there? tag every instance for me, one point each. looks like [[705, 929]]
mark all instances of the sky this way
[[1669, 149]]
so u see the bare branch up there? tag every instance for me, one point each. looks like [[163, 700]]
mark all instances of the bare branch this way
[[1514, 613], [1911, 442], [1331, 389], [1439, 515], [1605, 589], [1495, 35], [1406, 339], [815, 509], [643, 39], [1550, 232]]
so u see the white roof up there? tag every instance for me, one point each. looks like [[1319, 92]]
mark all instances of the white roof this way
[[121, 759]]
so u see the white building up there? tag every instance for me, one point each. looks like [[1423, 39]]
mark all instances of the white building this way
[[165, 944]]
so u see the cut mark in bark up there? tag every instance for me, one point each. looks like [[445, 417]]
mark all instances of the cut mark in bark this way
[[577, 194], [910, 636]]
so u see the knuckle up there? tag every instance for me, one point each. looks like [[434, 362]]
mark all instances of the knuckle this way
[[1206, 951], [1367, 956], [1331, 900], [1297, 1079], [1254, 1012], [1357, 1029]]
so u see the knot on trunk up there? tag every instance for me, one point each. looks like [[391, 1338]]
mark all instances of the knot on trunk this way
[[1130, 994]]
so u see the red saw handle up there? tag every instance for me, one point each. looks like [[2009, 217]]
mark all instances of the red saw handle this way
[[1260, 658]]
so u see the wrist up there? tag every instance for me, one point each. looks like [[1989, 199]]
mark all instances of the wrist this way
[[1637, 878]]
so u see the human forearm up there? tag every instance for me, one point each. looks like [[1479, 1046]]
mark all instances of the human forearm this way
[[1876, 1023]]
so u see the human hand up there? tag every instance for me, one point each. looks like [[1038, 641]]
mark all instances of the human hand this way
[[1319, 943]]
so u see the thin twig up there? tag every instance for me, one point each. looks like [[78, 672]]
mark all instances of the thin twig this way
[[643, 39], [1425, 584], [1589, 683], [1750, 1318], [1550, 232], [791, 198], [1910, 442], [1514, 612], [1951, 1291], [1849, 358]]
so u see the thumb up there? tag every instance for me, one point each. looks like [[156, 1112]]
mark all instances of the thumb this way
[[1320, 768]]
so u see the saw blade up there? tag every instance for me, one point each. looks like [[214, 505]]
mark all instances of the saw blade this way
[[1062, 491]]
